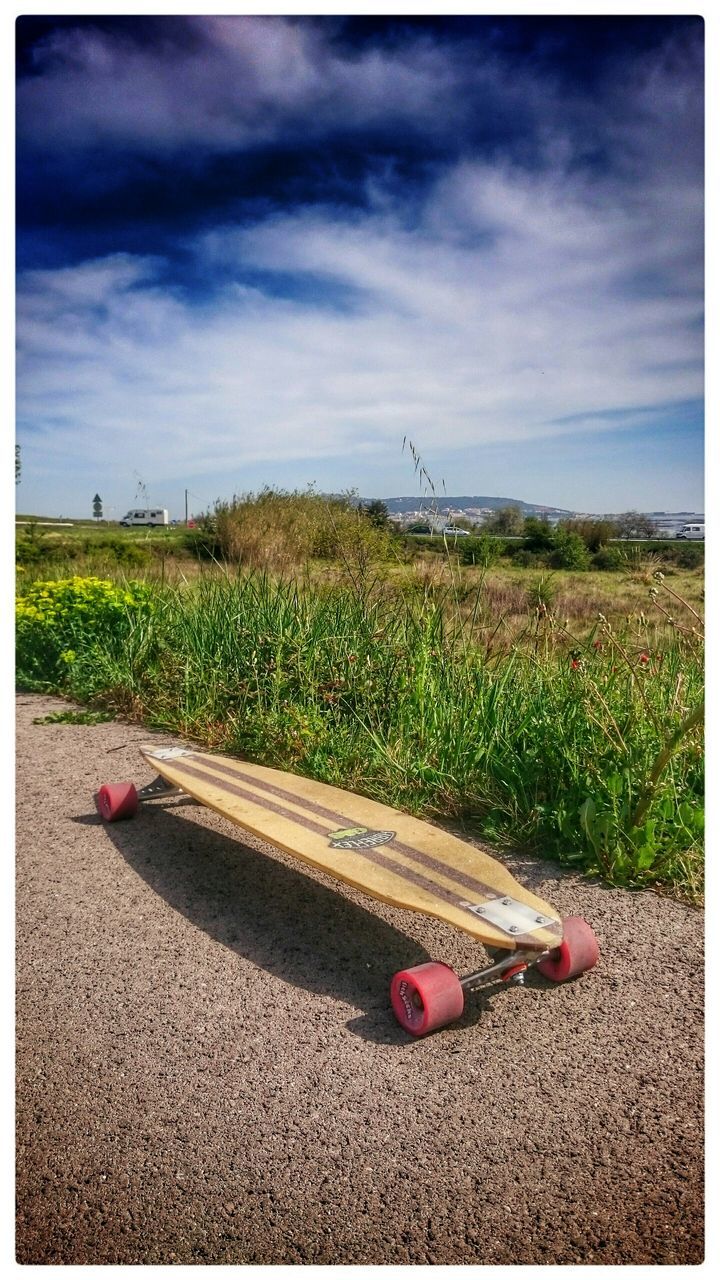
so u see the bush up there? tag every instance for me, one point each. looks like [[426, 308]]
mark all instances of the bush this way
[[541, 595], [56, 621], [203, 542], [483, 551], [30, 551], [543, 546], [110, 549], [569, 551], [282, 531], [594, 533], [539, 535], [528, 559], [688, 555], [115, 548], [608, 558]]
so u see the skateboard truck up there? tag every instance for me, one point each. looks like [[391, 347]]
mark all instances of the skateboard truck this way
[[510, 969], [158, 787], [431, 995]]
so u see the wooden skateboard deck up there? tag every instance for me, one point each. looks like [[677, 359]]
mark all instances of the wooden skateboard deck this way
[[377, 849]]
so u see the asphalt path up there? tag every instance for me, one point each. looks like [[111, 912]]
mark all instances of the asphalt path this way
[[208, 1071]]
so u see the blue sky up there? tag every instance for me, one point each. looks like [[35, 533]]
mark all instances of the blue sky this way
[[263, 250]]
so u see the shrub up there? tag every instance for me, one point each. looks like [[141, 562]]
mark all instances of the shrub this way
[[539, 535], [608, 558], [57, 620], [115, 548], [527, 559], [483, 551], [29, 551], [541, 594], [203, 542], [281, 531], [594, 533], [688, 555], [108, 549], [569, 551]]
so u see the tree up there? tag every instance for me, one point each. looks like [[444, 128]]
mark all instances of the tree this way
[[594, 533], [506, 520], [539, 534], [633, 524], [18, 464], [376, 512], [97, 507]]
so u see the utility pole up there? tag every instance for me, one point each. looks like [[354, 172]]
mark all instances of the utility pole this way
[[186, 508]]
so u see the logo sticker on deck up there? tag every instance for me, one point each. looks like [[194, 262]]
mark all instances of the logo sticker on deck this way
[[359, 838]]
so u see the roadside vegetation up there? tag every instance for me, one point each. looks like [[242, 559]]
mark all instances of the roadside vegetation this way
[[556, 709]]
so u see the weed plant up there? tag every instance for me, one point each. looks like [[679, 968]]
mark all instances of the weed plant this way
[[60, 623]]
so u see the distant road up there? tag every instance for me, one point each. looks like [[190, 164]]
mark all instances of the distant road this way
[[519, 537]]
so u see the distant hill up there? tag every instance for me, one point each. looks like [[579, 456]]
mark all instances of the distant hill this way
[[445, 501]]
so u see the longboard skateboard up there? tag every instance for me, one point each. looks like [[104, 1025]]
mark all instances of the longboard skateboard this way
[[389, 855]]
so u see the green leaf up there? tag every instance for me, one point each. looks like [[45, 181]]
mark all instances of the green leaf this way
[[587, 815], [691, 816], [644, 835], [645, 857]]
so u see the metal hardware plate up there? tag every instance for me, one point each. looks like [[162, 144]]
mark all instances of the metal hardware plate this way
[[158, 787], [169, 753], [509, 915]]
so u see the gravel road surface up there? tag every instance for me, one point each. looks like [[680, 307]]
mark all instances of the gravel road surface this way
[[208, 1070]]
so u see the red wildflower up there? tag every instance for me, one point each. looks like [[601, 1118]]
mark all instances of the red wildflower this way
[[644, 658]]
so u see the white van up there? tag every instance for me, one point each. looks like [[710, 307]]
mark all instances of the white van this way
[[696, 531], [145, 515]]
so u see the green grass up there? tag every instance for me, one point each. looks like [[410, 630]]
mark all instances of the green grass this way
[[585, 749], [44, 551], [75, 717]]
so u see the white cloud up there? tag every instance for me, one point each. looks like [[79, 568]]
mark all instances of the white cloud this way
[[503, 314]]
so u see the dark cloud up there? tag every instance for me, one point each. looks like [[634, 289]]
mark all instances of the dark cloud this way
[[135, 132]]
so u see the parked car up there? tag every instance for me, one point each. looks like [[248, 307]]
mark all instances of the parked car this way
[[145, 515], [695, 531]]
